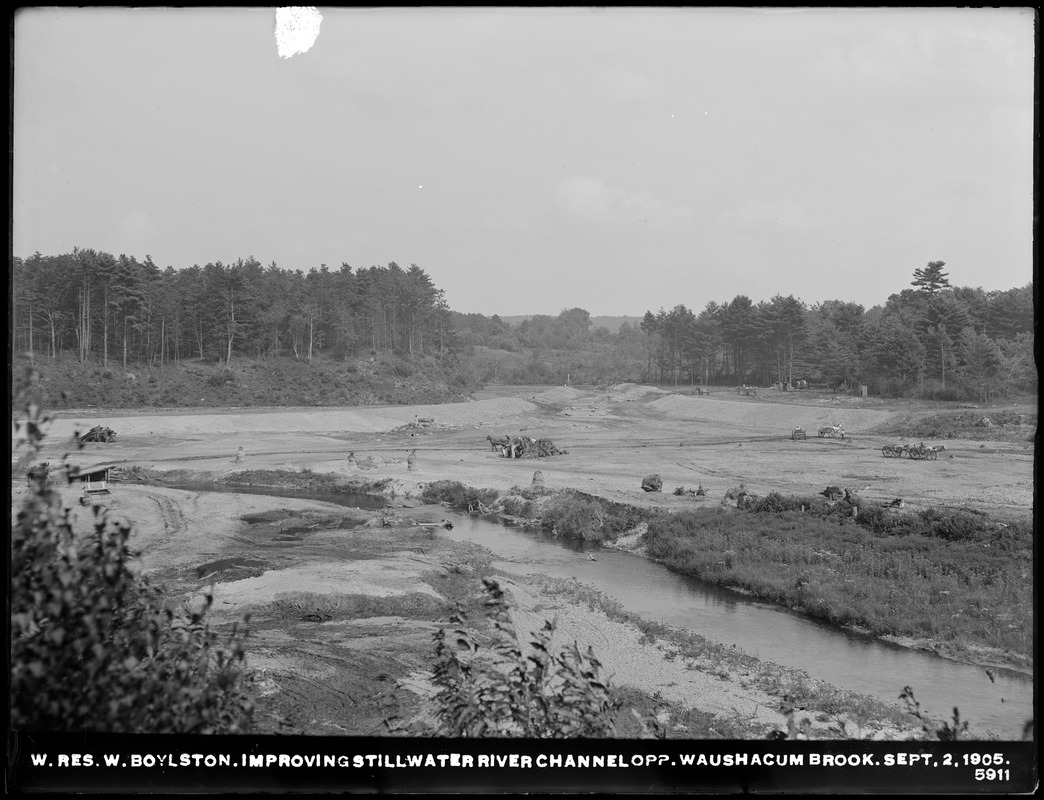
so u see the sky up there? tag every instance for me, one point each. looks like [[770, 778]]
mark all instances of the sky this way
[[531, 160]]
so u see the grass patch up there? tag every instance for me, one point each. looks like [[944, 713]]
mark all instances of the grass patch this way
[[938, 575], [567, 512], [314, 607], [304, 481], [576, 515]]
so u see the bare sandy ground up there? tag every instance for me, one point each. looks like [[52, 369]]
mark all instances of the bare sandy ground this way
[[613, 440], [306, 656]]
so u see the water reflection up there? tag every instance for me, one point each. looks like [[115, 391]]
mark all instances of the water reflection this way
[[844, 658]]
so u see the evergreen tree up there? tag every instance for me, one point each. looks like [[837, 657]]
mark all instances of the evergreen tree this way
[[932, 278]]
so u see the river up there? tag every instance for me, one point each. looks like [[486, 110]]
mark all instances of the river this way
[[842, 657]]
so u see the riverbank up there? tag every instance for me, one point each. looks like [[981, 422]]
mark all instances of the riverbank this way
[[343, 605], [821, 560], [612, 440]]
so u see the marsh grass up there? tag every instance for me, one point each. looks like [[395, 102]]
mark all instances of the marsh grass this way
[[944, 576], [305, 480]]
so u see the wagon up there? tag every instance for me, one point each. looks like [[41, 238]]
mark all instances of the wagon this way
[[924, 452], [917, 452], [832, 431], [799, 433], [96, 486]]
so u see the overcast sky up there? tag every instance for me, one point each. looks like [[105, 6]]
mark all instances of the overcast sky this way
[[535, 159]]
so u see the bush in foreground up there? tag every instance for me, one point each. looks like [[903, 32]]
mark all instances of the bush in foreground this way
[[94, 648], [502, 691]]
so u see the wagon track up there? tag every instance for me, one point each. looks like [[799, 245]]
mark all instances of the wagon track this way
[[171, 514]]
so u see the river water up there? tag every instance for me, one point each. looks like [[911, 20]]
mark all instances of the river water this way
[[844, 658], [841, 657]]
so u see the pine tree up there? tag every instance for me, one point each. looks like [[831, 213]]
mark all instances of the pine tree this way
[[932, 278]]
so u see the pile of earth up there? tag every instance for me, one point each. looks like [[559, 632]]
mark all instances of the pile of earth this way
[[755, 414], [988, 424]]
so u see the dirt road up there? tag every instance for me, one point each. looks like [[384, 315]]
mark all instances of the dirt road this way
[[345, 603]]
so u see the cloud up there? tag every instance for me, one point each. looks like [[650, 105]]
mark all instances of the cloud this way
[[975, 50], [591, 198], [136, 226]]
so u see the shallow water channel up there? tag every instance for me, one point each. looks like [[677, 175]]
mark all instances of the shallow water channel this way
[[844, 658]]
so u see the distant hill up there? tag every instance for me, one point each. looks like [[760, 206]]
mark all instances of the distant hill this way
[[612, 323]]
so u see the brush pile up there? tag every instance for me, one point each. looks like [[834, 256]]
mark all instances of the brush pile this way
[[526, 447], [99, 434]]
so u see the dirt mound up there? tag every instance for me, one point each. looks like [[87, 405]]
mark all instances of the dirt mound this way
[[559, 395], [630, 392], [770, 415]]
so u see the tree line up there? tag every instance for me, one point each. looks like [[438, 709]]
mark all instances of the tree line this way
[[933, 340], [119, 309], [929, 340]]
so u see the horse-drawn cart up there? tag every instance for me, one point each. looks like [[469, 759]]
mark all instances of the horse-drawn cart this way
[[916, 452]]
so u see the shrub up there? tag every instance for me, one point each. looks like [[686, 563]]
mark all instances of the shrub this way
[[516, 505], [94, 648], [502, 692], [879, 520], [220, 378], [457, 495], [573, 516], [775, 503], [952, 526]]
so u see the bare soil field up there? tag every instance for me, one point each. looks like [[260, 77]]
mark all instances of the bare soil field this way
[[344, 602]]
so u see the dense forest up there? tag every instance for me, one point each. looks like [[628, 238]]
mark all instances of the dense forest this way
[[126, 310], [929, 340]]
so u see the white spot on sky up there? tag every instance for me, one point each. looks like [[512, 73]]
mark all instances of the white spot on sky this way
[[297, 28], [421, 186]]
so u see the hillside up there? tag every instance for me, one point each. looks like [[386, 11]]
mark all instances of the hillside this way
[[384, 380]]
